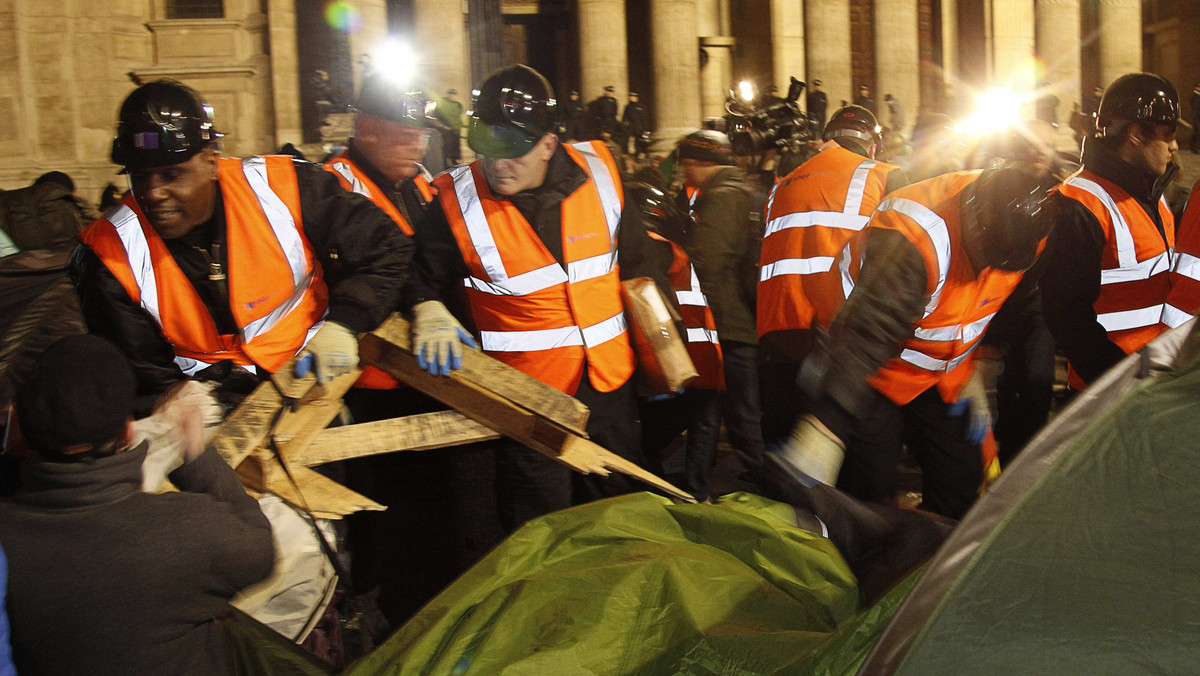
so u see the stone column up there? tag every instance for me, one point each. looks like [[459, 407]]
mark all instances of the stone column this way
[[787, 42], [827, 25], [897, 57], [1120, 39], [1012, 44], [370, 37], [285, 73], [949, 42], [439, 30], [602, 56], [1058, 48], [676, 61], [716, 75]]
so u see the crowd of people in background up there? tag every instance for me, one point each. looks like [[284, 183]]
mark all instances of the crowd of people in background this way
[[878, 289]]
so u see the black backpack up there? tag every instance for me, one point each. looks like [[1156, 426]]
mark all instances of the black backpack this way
[[40, 217]]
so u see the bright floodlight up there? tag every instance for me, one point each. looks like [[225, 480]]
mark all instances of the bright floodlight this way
[[996, 109], [397, 61], [746, 91]]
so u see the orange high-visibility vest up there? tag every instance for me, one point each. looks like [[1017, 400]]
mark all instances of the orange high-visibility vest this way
[[961, 303], [276, 290], [811, 216], [700, 328], [354, 179], [531, 313], [1134, 266], [1183, 301]]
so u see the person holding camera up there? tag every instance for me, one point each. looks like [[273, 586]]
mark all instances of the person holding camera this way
[[723, 248]]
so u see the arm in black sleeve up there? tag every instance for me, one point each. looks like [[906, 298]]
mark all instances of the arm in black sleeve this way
[[888, 300], [110, 313], [1070, 284], [640, 256], [438, 266], [896, 179], [245, 552], [364, 254]]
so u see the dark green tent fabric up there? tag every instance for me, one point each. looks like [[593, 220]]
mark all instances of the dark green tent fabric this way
[[634, 585], [259, 651], [1091, 567]]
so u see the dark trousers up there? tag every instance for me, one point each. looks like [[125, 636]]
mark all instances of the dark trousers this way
[[951, 467], [740, 405], [1025, 390], [440, 516], [528, 484], [696, 411]]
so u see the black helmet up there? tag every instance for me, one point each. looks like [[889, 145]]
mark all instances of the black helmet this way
[[161, 123], [659, 212], [1009, 212], [381, 96], [1136, 97], [514, 109], [854, 122], [707, 145]]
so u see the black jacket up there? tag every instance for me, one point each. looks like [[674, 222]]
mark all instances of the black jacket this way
[[817, 102], [1070, 272], [603, 113], [105, 579], [439, 267], [364, 256], [636, 119]]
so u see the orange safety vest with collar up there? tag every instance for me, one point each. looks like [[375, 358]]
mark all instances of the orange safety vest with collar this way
[[961, 303], [700, 328], [811, 216], [1183, 301], [277, 293], [354, 179], [1134, 265], [541, 317]]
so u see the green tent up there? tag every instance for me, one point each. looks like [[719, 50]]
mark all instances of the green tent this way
[[1084, 558]]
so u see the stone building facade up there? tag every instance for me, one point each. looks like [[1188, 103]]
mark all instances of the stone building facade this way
[[65, 65]]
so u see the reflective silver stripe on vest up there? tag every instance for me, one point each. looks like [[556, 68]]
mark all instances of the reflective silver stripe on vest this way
[[702, 335], [1174, 317], [522, 284], [693, 296], [345, 172], [1188, 266], [939, 235], [1140, 270], [795, 266], [477, 225], [137, 251], [285, 227], [965, 333], [191, 367], [844, 262], [549, 339], [1126, 252], [808, 219], [609, 198], [1131, 319], [590, 268], [924, 361], [858, 185]]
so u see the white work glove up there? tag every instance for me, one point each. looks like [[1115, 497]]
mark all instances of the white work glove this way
[[973, 401], [437, 338], [330, 353], [811, 454]]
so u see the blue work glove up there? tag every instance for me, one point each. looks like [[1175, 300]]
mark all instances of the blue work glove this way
[[973, 402], [332, 352], [437, 338]]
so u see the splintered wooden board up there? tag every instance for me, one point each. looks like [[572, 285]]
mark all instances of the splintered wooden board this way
[[486, 374], [494, 394], [322, 496], [422, 432]]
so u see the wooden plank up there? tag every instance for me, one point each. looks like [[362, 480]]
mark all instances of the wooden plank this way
[[321, 495], [488, 374], [423, 432], [483, 399], [246, 428]]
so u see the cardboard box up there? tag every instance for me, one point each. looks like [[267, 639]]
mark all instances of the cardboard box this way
[[663, 361]]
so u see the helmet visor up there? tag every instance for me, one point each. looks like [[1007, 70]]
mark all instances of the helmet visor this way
[[499, 141]]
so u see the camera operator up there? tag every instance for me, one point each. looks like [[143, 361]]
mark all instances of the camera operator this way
[[771, 128]]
